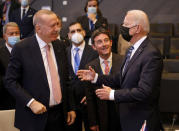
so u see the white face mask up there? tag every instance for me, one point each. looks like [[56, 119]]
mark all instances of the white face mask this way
[[24, 2], [77, 38], [92, 10]]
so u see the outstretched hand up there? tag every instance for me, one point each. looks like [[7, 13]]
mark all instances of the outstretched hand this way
[[86, 75]]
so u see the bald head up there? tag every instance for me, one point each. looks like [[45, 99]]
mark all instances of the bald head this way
[[139, 17]]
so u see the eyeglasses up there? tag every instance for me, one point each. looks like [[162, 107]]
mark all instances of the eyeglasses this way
[[77, 30], [106, 40]]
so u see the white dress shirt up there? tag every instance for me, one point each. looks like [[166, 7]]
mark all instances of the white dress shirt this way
[[9, 48], [73, 52], [26, 9], [103, 65], [42, 45]]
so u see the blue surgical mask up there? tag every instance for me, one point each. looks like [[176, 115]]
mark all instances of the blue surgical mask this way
[[12, 40], [92, 10], [24, 3]]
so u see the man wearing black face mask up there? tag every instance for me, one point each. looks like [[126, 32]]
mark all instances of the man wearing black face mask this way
[[139, 78]]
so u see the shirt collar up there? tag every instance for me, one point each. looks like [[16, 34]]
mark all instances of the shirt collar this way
[[9, 48], [41, 43], [26, 8], [139, 42], [102, 60], [81, 47]]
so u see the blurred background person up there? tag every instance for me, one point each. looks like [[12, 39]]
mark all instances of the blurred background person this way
[[6, 9], [93, 18], [11, 34], [23, 16]]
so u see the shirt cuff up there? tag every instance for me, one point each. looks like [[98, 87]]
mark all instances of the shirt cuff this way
[[95, 78], [111, 95], [28, 104]]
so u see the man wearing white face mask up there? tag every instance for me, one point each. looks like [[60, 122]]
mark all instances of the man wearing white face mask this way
[[11, 34], [79, 54], [23, 16], [93, 18]]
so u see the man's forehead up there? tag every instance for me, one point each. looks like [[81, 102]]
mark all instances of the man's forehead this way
[[101, 36], [75, 26]]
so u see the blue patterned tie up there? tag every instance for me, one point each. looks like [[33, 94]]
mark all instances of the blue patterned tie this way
[[77, 60], [127, 59]]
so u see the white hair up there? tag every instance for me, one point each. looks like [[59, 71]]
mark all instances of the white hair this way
[[140, 18]]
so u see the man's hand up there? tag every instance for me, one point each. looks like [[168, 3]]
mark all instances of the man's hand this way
[[37, 107], [86, 75], [94, 128], [104, 92], [71, 117], [92, 16], [83, 101]]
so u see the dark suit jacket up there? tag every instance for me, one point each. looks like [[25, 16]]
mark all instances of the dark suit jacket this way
[[101, 22], [26, 68], [14, 5], [138, 91], [26, 24], [6, 100], [78, 86], [103, 113]]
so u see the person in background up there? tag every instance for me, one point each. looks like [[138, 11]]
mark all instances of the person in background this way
[[37, 77], [79, 54], [103, 115], [23, 16], [6, 9], [137, 85], [11, 34], [92, 19]]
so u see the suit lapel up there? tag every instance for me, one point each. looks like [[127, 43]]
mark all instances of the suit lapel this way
[[98, 66], [84, 57], [37, 58], [136, 55]]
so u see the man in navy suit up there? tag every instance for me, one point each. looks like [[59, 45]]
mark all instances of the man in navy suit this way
[[77, 59], [139, 78], [37, 77], [23, 16]]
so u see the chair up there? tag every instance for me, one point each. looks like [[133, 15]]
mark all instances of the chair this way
[[162, 30], [174, 48], [176, 30], [7, 120], [158, 43]]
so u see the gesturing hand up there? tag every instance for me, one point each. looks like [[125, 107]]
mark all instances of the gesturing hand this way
[[86, 75]]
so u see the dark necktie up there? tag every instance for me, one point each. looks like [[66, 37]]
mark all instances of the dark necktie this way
[[127, 59], [77, 60], [92, 25], [23, 13]]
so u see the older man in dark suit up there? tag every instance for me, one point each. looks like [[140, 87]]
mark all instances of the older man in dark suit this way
[[11, 35], [102, 114], [37, 76], [23, 16], [138, 80]]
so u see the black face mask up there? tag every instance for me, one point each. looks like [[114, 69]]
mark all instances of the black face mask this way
[[125, 33]]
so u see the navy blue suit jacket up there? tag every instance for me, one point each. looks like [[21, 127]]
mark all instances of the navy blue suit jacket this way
[[138, 89], [26, 24], [26, 68]]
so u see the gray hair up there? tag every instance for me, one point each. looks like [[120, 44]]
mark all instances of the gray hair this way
[[37, 17], [12, 24], [140, 18]]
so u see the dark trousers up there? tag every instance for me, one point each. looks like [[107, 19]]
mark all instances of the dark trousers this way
[[81, 116], [55, 120]]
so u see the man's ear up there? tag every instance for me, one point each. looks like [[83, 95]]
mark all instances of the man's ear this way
[[93, 46]]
